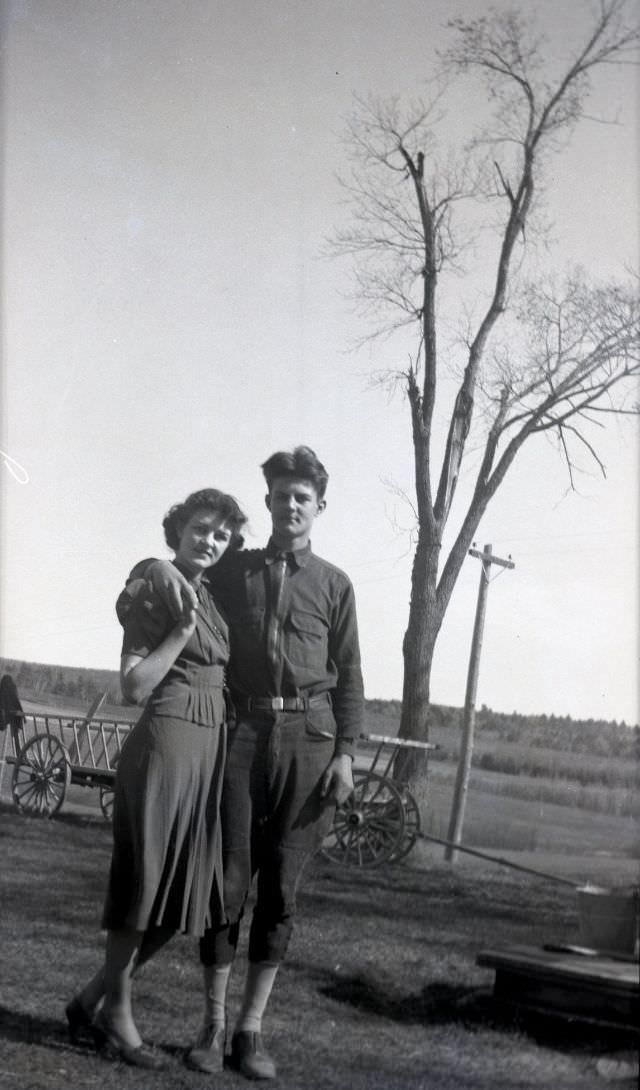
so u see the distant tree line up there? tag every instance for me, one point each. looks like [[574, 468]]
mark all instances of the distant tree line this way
[[40, 681], [596, 737]]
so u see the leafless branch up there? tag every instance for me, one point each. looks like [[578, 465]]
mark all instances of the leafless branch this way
[[535, 359]]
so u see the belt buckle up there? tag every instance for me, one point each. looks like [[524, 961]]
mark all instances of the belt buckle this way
[[277, 704]]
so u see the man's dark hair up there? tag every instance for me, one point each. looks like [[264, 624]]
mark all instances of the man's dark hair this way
[[302, 463]]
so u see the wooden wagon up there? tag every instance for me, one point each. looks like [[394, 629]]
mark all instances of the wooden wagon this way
[[380, 821], [50, 752]]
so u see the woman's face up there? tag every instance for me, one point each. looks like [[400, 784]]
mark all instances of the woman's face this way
[[203, 540]]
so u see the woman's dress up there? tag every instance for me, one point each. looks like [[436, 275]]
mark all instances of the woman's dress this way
[[166, 866]]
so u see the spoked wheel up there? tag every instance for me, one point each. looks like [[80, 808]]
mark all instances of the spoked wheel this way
[[41, 776], [412, 825], [369, 827]]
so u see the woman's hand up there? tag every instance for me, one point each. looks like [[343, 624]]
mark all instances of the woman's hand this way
[[174, 590]]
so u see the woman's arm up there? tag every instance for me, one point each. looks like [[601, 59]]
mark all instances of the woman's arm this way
[[139, 675]]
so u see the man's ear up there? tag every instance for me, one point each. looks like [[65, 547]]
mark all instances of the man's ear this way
[[267, 501], [321, 506]]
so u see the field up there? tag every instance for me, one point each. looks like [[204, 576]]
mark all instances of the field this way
[[381, 989]]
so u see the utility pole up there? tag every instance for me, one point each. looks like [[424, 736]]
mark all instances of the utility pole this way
[[464, 762]]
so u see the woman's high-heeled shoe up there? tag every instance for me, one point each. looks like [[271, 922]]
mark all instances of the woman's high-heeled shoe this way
[[80, 1022], [106, 1040]]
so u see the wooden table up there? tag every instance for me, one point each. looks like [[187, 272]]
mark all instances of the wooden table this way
[[559, 981]]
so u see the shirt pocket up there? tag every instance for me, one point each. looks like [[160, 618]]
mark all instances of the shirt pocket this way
[[306, 640]]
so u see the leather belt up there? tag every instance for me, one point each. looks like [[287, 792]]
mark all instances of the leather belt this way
[[280, 703]]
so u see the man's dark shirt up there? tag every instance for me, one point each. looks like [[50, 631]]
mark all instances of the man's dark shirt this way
[[300, 639]]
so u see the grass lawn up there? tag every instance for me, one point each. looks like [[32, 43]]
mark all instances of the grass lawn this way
[[381, 990]]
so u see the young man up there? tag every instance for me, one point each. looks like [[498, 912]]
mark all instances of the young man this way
[[296, 685]]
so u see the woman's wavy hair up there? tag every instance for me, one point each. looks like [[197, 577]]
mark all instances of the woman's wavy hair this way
[[207, 499]]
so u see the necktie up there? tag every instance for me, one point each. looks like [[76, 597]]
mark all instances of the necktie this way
[[277, 574]]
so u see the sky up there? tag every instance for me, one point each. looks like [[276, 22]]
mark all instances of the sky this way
[[170, 318]]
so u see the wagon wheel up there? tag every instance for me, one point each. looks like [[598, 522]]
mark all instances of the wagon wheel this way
[[369, 827], [41, 776], [412, 825]]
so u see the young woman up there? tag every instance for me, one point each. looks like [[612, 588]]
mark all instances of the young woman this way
[[166, 866]]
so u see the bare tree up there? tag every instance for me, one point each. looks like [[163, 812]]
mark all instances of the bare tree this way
[[539, 357]]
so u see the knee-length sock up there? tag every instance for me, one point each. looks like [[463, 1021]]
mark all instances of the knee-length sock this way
[[216, 980], [261, 976]]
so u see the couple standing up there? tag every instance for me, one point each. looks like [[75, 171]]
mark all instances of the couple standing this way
[[186, 846]]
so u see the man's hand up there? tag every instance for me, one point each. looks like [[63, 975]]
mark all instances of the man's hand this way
[[173, 588], [337, 782]]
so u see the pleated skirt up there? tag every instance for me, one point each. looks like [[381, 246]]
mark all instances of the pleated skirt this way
[[166, 865]]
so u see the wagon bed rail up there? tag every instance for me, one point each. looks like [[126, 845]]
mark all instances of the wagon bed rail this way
[[49, 752]]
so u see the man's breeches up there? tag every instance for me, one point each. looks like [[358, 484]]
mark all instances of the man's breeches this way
[[273, 820]]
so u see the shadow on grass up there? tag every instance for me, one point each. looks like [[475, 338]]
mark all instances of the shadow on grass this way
[[27, 1029], [51, 1033], [440, 1003]]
